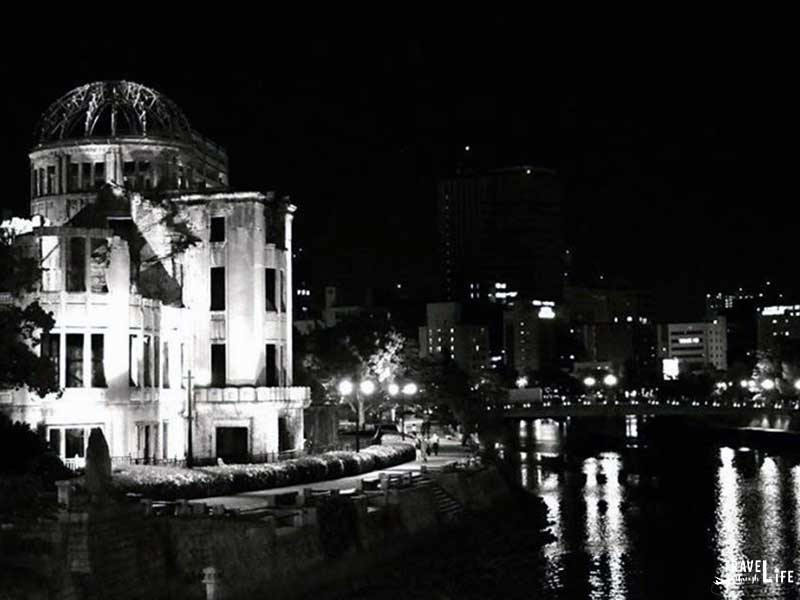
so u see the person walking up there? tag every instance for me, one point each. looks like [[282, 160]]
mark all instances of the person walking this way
[[423, 446], [435, 444]]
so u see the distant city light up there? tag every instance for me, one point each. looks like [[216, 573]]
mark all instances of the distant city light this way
[[768, 384], [589, 381], [546, 312], [671, 368], [466, 148], [744, 383], [610, 380], [522, 382]]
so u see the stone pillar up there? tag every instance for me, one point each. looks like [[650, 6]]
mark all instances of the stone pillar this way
[[111, 166], [118, 176], [289, 215], [62, 338], [64, 173]]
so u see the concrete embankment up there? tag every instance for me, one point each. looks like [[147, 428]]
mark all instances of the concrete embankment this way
[[306, 541]]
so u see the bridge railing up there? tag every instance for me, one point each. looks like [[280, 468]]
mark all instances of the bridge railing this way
[[715, 402]]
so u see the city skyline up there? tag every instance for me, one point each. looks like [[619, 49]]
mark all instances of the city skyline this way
[[662, 187]]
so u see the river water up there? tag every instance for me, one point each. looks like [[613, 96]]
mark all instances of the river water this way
[[683, 515]]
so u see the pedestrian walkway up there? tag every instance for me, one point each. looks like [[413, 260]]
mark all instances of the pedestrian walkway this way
[[450, 451]]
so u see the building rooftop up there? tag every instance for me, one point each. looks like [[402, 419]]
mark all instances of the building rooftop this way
[[113, 109]]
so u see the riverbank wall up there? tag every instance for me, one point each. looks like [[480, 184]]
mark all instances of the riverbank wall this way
[[305, 542]]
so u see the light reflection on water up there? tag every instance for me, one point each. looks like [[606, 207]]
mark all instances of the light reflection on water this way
[[729, 523], [751, 513]]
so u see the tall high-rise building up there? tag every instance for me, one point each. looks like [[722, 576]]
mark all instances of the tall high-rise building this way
[[501, 229], [449, 334]]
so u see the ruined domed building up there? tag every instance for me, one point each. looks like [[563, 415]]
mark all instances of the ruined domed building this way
[[161, 280]]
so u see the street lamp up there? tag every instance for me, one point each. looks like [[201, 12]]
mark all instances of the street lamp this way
[[346, 387], [366, 387], [393, 390], [522, 382], [590, 382], [409, 390], [610, 380]]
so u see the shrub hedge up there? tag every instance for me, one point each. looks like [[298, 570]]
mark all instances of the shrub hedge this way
[[172, 483]]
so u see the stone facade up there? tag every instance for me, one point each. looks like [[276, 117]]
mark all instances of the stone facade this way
[[163, 282]]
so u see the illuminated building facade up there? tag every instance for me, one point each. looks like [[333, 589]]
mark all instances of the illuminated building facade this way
[[161, 280], [448, 335], [778, 327], [529, 336], [695, 345]]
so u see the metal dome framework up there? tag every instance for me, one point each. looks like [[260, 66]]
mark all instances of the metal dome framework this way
[[111, 109]]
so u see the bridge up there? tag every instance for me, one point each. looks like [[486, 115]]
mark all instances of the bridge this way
[[778, 415]]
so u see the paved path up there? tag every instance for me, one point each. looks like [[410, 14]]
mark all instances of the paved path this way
[[450, 451]]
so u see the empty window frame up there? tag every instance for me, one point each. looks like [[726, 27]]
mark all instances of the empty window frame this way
[[218, 367], [98, 357], [217, 229], [217, 288]]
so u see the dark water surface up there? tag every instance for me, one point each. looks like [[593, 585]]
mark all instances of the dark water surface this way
[[657, 511], [684, 515]]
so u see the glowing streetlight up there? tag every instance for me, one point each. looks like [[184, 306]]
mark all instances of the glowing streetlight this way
[[522, 382], [590, 382], [410, 389], [366, 388], [768, 385], [394, 389], [744, 383], [345, 387], [610, 380], [797, 384]]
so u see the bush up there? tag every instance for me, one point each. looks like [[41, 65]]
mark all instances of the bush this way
[[172, 483]]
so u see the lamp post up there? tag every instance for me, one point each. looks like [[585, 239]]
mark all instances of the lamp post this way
[[365, 388], [610, 381], [589, 382], [393, 390], [409, 390], [189, 417]]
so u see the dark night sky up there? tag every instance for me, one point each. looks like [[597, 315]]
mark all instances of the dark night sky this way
[[672, 154]]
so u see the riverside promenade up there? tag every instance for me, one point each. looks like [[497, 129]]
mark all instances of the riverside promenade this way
[[450, 451]]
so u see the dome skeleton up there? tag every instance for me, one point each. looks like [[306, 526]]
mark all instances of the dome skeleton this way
[[145, 111]]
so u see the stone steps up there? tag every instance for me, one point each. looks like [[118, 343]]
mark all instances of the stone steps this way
[[446, 505]]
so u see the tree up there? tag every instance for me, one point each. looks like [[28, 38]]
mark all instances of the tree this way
[[355, 349], [26, 470], [20, 327]]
